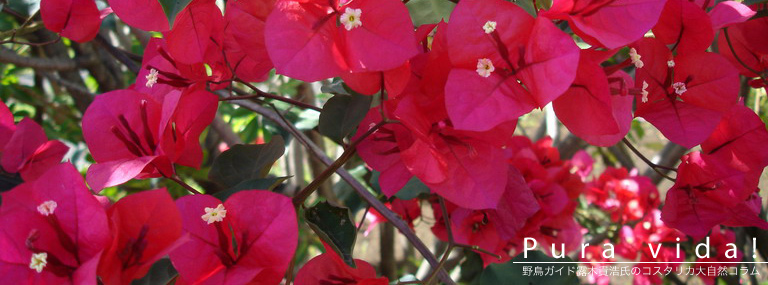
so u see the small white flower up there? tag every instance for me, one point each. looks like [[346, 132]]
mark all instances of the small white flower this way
[[635, 58], [671, 63], [47, 208], [151, 78], [644, 92], [38, 262], [679, 88], [351, 18], [213, 215], [485, 67], [489, 27]]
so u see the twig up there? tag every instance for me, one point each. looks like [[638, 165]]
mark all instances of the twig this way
[[67, 84], [59, 64], [348, 153], [477, 248], [669, 155], [178, 180], [730, 46], [451, 242], [388, 214], [291, 268], [260, 93], [225, 131], [653, 166], [362, 220], [22, 30], [118, 54]]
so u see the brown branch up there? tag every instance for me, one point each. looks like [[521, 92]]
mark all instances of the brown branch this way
[[23, 30], [388, 214], [225, 131], [260, 93], [647, 161], [59, 64], [178, 180], [118, 54], [348, 153], [66, 84], [669, 155]]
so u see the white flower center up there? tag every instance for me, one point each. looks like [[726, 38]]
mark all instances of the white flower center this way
[[635, 58], [38, 262], [213, 215], [485, 67], [645, 92], [671, 63], [351, 18], [47, 208], [679, 88], [489, 27], [151, 78]]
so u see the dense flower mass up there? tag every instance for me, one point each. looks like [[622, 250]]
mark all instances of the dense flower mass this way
[[433, 101]]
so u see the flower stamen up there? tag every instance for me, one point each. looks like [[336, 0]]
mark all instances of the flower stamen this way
[[151, 78], [213, 215], [635, 57], [38, 262], [47, 208], [485, 67], [489, 27], [644, 92], [351, 18], [679, 88]]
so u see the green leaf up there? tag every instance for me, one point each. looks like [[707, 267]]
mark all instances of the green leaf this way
[[527, 5], [246, 162], [334, 226], [752, 2], [429, 11], [341, 115], [411, 190], [259, 184], [512, 271], [335, 87], [160, 273], [172, 8], [637, 127]]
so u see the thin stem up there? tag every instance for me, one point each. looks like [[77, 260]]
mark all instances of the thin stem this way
[[440, 265], [349, 152], [260, 93], [118, 54], [446, 219], [178, 180], [173, 279], [477, 248], [289, 273], [730, 46], [318, 153], [653, 166], [362, 221], [451, 243]]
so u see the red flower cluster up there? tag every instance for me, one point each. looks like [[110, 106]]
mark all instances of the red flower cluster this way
[[454, 90], [58, 232]]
